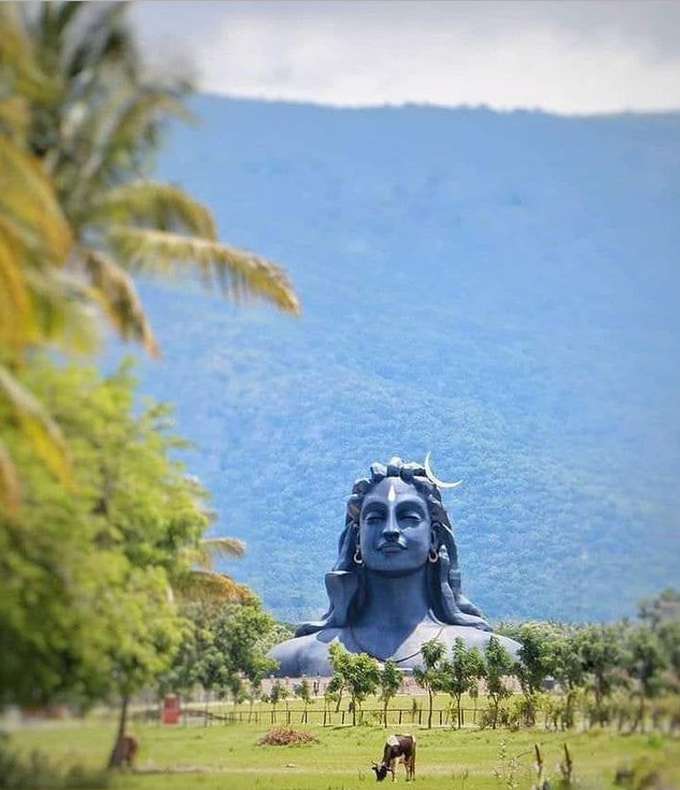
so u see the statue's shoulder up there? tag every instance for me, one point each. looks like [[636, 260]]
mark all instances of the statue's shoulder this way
[[305, 655], [474, 637]]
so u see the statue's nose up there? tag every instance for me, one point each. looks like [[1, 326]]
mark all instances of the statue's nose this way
[[391, 530]]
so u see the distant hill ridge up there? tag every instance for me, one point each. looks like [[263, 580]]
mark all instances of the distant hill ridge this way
[[499, 288]]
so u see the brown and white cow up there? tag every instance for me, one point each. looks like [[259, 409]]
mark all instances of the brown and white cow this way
[[397, 748]]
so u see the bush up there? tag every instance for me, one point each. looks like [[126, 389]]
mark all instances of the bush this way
[[286, 736]]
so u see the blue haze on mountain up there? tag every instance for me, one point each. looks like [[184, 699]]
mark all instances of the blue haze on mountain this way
[[502, 289]]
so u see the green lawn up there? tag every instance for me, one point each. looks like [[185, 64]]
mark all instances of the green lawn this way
[[227, 756]]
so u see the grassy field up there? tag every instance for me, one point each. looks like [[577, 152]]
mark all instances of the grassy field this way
[[228, 756]]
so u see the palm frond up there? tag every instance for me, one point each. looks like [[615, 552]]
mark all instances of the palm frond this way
[[202, 585], [116, 292], [209, 549], [34, 242], [162, 206], [15, 313], [27, 199], [10, 490], [37, 425], [113, 137], [14, 116], [20, 69], [237, 273], [62, 310], [105, 41]]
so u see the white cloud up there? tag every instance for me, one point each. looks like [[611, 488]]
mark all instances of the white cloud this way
[[566, 56]]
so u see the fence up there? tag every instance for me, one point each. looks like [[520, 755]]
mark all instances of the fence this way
[[326, 717]]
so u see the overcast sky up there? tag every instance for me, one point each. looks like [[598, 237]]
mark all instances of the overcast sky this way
[[566, 56]]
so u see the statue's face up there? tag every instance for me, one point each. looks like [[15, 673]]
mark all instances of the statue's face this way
[[394, 528]]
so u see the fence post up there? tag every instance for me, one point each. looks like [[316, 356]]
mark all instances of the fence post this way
[[343, 717], [400, 712]]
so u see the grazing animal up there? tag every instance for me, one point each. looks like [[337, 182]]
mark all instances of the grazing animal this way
[[397, 747], [126, 750]]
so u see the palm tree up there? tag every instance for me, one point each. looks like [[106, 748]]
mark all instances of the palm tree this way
[[76, 229], [203, 582], [94, 135], [34, 242]]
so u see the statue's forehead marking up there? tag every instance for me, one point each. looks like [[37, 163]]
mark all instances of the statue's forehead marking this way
[[392, 494]]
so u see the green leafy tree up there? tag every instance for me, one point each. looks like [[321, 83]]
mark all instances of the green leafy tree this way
[[334, 690], [303, 692], [664, 608], [601, 654], [357, 672], [339, 661], [534, 662], [223, 649], [461, 673], [389, 684], [430, 675], [277, 693], [362, 680], [84, 604], [567, 668], [497, 666], [669, 636], [645, 663]]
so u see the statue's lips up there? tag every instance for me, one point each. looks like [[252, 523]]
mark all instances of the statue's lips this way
[[391, 548]]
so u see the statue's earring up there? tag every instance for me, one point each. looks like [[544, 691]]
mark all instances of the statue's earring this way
[[357, 555], [433, 555]]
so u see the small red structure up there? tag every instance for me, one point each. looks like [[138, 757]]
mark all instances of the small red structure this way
[[170, 709]]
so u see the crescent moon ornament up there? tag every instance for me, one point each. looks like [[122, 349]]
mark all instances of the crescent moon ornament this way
[[431, 476]]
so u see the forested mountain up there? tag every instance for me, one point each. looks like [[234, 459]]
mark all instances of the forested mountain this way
[[502, 289]]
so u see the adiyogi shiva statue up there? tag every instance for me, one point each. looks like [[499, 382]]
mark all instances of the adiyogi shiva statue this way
[[396, 582]]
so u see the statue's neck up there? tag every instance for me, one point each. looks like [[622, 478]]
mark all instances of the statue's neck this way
[[395, 602]]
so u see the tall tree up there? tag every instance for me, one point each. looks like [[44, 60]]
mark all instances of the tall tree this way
[[663, 608], [497, 666], [203, 582], [567, 667], [534, 661], [358, 673], [84, 605], [223, 648], [34, 243], [389, 684], [430, 676], [645, 662], [600, 649], [460, 673], [303, 691], [94, 136], [79, 215]]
